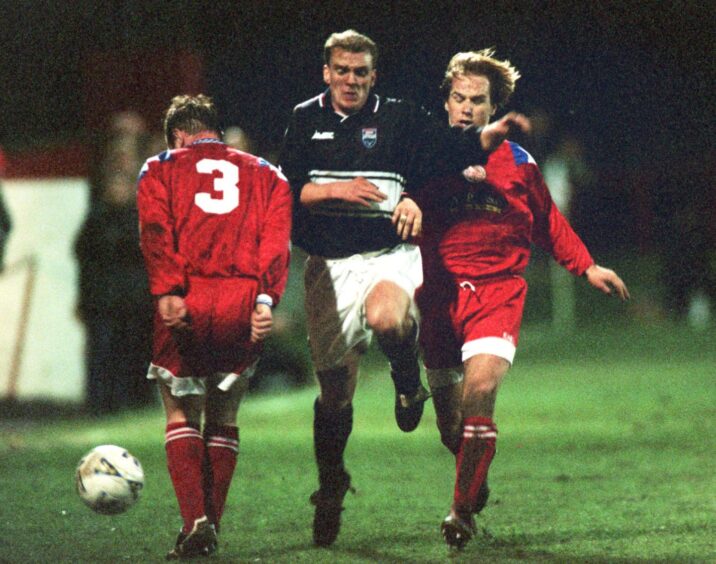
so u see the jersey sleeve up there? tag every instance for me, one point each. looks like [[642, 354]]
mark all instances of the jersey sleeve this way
[[442, 150], [292, 156], [293, 163], [551, 230], [166, 268], [274, 249]]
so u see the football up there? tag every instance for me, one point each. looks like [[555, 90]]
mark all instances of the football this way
[[109, 479]]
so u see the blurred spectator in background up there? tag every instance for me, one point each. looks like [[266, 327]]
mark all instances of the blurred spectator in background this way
[[114, 301], [541, 141], [237, 138], [5, 223], [565, 171], [686, 240]]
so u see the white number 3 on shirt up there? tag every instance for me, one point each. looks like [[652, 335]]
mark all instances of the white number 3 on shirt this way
[[227, 184]]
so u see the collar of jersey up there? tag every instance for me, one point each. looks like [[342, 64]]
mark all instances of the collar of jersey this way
[[206, 140]]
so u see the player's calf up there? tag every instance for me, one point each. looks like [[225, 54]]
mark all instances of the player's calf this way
[[410, 394]]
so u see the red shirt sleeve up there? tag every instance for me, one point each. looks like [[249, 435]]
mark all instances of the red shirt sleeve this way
[[166, 267], [274, 246], [552, 231]]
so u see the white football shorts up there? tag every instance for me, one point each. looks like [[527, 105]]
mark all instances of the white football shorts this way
[[336, 290]]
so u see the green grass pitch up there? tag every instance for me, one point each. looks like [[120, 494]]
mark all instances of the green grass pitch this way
[[606, 453]]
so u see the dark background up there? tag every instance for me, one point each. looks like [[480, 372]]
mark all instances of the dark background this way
[[633, 80]]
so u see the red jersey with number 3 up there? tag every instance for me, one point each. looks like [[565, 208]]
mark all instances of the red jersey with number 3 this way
[[481, 224], [212, 211]]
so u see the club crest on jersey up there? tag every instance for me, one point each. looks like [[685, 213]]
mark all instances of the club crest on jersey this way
[[369, 136], [475, 173]]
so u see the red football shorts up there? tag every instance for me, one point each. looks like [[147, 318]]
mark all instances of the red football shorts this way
[[218, 340], [461, 320]]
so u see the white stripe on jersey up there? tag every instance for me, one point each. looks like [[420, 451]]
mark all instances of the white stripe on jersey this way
[[331, 175], [337, 211], [389, 183]]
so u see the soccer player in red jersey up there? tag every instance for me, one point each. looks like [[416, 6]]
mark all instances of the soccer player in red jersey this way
[[215, 225], [477, 231]]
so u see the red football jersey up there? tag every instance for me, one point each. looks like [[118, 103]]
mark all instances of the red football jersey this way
[[211, 210], [481, 224]]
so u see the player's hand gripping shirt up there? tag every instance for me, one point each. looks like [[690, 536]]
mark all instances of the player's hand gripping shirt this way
[[213, 211], [481, 224], [389, 142]]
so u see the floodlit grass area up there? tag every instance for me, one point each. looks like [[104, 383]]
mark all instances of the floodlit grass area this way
[[606, 453]]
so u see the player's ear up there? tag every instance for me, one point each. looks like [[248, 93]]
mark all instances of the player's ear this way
[[178, 139], [373, 76], [326, 74], [493, 110]]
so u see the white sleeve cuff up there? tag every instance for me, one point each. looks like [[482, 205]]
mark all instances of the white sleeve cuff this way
[[264, 299]]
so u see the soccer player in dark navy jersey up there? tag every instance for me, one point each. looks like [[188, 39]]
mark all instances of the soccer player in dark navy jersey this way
[[350, 155]]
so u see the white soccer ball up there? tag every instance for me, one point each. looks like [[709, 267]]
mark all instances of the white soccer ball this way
[[109, 479]]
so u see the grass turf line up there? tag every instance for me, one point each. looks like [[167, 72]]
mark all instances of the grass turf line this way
[[605, 454]]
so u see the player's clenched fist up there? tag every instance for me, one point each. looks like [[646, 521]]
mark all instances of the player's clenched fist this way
[[408, 219], [261, 322], [493, 134], [173, 312]]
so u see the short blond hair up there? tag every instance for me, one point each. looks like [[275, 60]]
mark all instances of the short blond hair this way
[[352, 41], [501, 74]]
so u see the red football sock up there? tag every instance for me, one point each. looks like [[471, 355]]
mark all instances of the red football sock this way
[[185, 457], [222, 448], [477, 447]]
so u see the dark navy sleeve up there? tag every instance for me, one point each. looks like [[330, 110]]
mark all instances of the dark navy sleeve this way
[[442, 150], [292, 158]]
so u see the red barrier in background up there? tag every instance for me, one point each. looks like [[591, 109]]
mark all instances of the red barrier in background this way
[[112, 81], [69, 160]]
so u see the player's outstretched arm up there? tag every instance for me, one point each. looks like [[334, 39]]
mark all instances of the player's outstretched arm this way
[[408, 219], [496, 132], [261, 322], [607, 281]]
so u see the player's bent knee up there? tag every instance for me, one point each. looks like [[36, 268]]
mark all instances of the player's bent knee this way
[[386, 321], [387, 309]]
